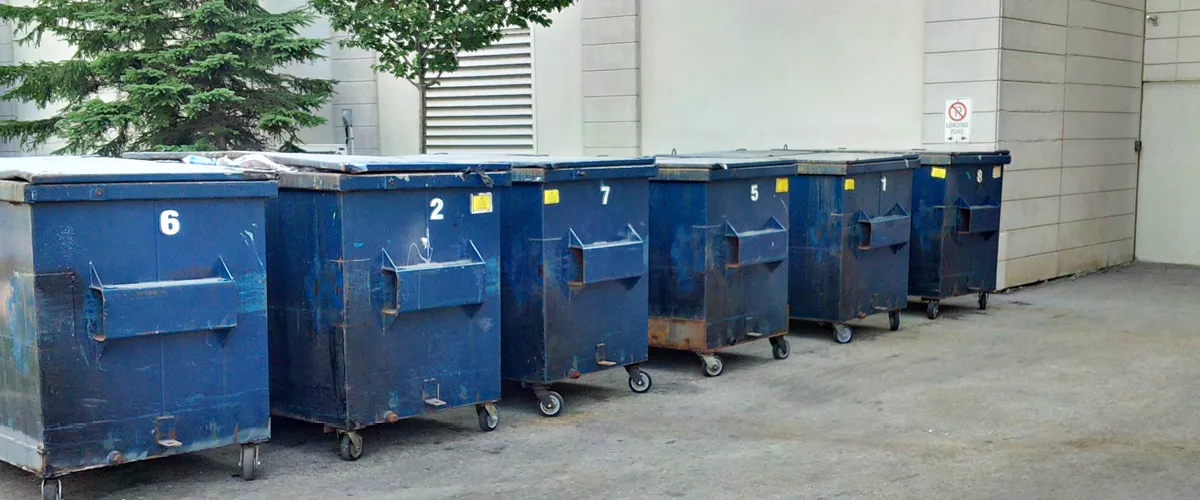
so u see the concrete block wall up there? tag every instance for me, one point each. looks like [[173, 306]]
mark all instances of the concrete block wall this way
[[1070, 100], [1172, 40], [1058, 83], [610, 62]]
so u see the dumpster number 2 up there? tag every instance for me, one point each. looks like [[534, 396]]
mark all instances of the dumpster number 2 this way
[[754, 192], [604, 190], [437, 205], [168, 222]]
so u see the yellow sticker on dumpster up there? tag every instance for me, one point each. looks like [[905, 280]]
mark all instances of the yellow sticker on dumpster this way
[[481, 203], [938, 173], [995, 172], [849, 185], [781, 185], [550, 197]]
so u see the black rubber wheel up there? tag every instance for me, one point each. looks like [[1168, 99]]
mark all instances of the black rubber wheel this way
[[781, 349], [842, 334], [642, 383], [489, 417], [894, 320], [553, 407], [931, 309], [351, 446], [983, 298], [713, 367], [249, 462], [51, 489]]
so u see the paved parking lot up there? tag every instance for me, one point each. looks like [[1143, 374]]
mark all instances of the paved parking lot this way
[[1082, 388]]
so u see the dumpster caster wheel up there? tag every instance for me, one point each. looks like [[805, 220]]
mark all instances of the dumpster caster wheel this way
[[489, 417], [931, 309], [780, 348], [712, 366], [552, 405], [351, 446], [983, 298], [51, 489], [640, 382], [842, 334], [249, 462], [894, 320]]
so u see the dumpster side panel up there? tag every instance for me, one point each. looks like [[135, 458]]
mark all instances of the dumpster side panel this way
[[305, 296], [929, 225], [596, 289], [523, 288], [815, 256], [20, 361], [969, 256], [746, 295], [679, 248], [422, 299], [877, 249], [123, 382]]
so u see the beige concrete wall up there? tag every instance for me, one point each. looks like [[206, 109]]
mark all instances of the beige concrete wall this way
[[721, 74], [1167, 201]]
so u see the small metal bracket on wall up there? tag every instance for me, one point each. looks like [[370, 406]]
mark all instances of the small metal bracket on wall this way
[[1152, 19]]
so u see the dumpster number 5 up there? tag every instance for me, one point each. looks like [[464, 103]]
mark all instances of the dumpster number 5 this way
[[437, 205], [754, 192], [604, 190], [168, 222]]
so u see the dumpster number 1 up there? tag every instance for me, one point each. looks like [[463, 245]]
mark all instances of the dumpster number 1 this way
[[884, 181], [604, 190], [754, 192], [437, 205], [168, 222]]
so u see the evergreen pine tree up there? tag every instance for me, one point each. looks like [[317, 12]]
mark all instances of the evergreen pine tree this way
[[164, 74]]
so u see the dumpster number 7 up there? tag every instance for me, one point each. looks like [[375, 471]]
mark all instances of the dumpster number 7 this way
[[604, 190], [754, 192], [437, 205], [168, 222]]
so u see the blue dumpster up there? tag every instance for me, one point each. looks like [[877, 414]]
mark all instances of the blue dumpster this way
[[133, 318], [718, 255], [851, 218], [956, 225], [573, 284], [384, 287]]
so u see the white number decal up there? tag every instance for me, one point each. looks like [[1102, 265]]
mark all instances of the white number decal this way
[[884, 180], [168, 222], [979, 175], [436, 204], [604, 190], [754, 192]]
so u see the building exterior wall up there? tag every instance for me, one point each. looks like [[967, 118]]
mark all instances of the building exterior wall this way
[[1058, 82], [1167, 201]]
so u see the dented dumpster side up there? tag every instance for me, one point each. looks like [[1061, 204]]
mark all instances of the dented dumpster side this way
[[956, 224], [140, 330], [574, 279], [384, 295], [718, 271]]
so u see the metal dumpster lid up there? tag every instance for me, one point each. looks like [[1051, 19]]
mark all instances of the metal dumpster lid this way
[[827, 157], [548, 162], [716, 162], [359, 164], [96, 169]]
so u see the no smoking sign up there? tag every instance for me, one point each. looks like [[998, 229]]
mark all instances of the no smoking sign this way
[[958, 120]]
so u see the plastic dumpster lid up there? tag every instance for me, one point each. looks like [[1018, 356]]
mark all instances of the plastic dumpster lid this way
[[716, 162], [96, 169], [548, 162]]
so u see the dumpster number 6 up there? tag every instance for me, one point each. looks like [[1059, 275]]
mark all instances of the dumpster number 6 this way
[[754, 192], [168, 222], [436, 204], [604, 190]]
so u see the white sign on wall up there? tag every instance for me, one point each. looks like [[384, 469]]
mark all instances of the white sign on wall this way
[[958, 120]]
